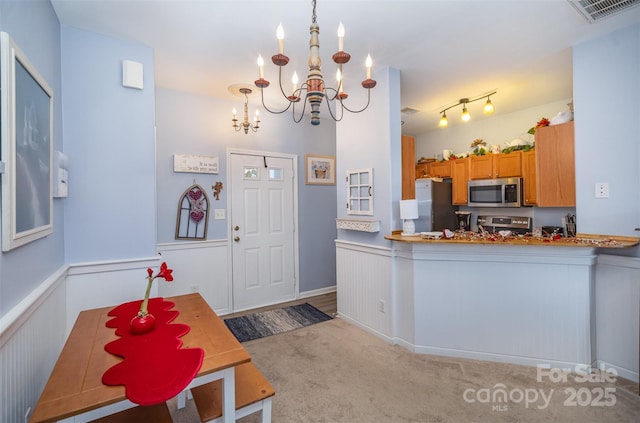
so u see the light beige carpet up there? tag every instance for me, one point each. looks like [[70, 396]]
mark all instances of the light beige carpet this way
[[336, 372]]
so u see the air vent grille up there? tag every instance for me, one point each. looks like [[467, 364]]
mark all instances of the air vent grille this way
[[596, 10], [409, 111]]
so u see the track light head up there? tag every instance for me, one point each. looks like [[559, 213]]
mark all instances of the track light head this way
[[465, 114], [488, 106], [443, 120]]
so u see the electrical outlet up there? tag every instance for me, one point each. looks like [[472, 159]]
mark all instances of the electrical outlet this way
[[382, 306], [602, 190], [218, 214]]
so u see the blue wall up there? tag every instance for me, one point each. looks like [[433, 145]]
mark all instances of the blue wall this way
[[371, 139], [109, 139], [34, 28], [606, 84], [201, 125]]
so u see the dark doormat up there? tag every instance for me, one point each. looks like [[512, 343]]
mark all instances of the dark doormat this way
[[272, 322]]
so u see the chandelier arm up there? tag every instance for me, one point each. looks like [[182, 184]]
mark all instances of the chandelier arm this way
[[335, 95], [275, 112], [331, 111], [280, 83], [293, 112], [361, 110]]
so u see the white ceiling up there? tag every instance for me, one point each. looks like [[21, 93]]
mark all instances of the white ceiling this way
[[445, 50]]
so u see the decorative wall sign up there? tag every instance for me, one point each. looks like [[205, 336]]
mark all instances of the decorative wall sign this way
[[193, 214], [26, 106], [195, 164]]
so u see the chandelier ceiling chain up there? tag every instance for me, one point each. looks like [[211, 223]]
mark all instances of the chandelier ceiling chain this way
[[314, 87], [465, 116]]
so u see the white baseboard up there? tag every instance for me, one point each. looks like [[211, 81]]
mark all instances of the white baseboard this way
[[316, 292], [366, 328], [621, 371]]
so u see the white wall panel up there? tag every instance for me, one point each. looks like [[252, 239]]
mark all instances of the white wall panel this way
[[94, 285], [29, 347], [198, 266], [363, 282], [617, 309]]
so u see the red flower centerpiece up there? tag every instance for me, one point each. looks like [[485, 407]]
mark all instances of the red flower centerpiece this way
[[145, 322]]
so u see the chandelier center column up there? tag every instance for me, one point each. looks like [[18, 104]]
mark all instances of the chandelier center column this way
[[315, 83]]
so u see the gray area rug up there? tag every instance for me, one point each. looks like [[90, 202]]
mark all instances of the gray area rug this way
[[267, 323], [336, 372]]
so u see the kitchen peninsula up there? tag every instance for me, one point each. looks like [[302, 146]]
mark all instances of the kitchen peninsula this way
[[518, 300]]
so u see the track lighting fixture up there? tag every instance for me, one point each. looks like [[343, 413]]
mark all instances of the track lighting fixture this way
[[466, 116]]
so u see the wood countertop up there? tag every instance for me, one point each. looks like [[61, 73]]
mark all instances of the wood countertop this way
[[580, 240]]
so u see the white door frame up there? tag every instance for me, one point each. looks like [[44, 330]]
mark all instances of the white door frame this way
[[296, 250]]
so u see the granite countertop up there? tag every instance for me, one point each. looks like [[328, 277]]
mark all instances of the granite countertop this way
[[580, 240]]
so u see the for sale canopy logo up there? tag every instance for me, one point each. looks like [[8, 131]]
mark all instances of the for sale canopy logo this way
[[499, 396]]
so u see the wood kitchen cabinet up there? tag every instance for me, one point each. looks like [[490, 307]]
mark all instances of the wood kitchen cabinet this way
[[555, 166], [422, 170], [481, 167], [507, 165], [529, 178], [408, 152], [440, 169], [496, 166], [459, 179]]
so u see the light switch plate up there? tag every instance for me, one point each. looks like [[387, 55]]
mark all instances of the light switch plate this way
[[218, 214]]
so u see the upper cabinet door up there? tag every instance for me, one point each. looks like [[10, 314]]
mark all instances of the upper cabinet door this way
[[481, 167], [508, 165], [555, 166]]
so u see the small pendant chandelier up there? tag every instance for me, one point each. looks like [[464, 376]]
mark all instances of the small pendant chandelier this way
[[314, 89], [245, 124]]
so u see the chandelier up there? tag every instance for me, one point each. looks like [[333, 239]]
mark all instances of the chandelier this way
[[466, 116], [314, 89], [245, 124]]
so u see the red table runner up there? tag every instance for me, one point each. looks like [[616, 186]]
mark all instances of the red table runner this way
[[155, 367]]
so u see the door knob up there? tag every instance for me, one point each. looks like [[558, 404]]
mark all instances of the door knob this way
[[236, 239], [236, 228]]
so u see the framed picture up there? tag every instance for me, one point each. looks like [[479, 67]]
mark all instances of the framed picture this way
[[320, 170], [26, 113]]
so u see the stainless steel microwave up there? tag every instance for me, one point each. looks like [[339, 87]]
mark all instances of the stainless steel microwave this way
[[502, 192]]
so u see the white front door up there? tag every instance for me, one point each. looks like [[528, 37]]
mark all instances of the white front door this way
[[262, 229]]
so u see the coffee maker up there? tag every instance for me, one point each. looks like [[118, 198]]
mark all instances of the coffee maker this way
[[464, 220]]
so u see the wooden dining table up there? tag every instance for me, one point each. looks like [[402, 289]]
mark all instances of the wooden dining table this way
[[75, 392]]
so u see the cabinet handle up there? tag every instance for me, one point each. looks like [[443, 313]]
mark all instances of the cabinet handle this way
[[236, 239]]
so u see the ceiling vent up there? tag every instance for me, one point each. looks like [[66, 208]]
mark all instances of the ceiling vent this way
[[596, 10], [409, 111]]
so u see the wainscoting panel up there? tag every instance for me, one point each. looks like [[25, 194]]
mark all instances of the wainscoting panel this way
[[103, 284], [29, 350], [198, 267], [364, 275], [617, 309]]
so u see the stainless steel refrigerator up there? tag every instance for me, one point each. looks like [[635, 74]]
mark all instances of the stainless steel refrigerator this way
[[435, 211]]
